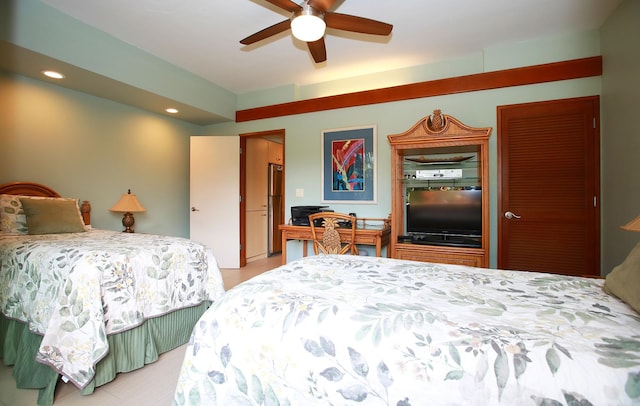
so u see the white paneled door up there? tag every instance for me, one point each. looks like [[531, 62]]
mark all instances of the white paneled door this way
[[215, 196]]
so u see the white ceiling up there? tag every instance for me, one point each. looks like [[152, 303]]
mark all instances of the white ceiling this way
[[202, 36]]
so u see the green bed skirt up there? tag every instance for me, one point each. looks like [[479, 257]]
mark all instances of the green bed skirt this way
[[129, 350]]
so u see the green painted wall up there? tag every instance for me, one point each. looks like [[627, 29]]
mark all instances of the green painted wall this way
[[94, 149], [478, 109], [621, 138]]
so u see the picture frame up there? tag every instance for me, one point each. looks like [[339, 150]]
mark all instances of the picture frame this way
[[349, 169]]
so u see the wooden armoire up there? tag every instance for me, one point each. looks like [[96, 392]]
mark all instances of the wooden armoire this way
[[435, 165]]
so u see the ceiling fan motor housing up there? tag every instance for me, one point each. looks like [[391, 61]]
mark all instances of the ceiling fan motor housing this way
[[307, 24], [309, 21]]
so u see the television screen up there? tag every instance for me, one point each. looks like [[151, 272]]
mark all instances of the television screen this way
[[445, 212]]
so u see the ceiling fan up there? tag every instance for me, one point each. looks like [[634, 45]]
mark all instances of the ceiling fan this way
[[310, 19]]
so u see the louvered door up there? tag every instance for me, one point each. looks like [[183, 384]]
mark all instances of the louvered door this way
[[548, 187]]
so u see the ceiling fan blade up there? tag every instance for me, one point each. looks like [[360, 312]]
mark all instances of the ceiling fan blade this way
[[322, 5], [318, 50], [285, 5], [351, 23], [267, 32]]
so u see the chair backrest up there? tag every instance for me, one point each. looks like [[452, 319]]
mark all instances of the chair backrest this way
[[330, 241]]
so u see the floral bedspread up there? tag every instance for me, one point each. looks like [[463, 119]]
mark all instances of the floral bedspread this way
[[75, 289], [360, 330]]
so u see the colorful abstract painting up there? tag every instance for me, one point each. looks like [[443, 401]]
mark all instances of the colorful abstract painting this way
[[349, 165]]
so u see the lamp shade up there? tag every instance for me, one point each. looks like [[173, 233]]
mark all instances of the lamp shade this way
[[633, 225], [308, 24], [128, 203]]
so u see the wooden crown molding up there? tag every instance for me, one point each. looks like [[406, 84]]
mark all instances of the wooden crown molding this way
[[550, 72], [438, 127]]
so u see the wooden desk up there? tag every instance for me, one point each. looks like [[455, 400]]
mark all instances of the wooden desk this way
[[377, 235]]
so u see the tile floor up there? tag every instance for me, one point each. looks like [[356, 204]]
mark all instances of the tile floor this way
[[152, 385]]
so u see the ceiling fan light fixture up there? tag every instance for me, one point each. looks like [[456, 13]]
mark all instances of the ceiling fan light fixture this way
[[307, 24]]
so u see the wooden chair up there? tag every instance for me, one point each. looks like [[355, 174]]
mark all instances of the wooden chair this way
[[330, 242]]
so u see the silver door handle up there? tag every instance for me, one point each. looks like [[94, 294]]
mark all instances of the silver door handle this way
[[511, 215], [193, 208]]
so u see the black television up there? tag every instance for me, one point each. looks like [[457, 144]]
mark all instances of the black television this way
[[445, 217]]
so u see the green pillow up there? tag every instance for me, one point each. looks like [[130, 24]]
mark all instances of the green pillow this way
[[624, 280], [52, 216]]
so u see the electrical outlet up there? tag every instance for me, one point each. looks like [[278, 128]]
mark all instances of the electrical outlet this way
[[299, 192]]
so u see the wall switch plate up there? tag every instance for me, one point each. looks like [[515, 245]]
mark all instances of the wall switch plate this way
[[299, 192]]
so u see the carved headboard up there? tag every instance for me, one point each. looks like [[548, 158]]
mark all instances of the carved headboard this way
[[36, 189]]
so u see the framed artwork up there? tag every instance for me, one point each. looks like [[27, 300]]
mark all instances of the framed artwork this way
[[349, 165]]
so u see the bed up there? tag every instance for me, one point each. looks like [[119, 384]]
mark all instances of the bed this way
[[364, 330], [82, 304]]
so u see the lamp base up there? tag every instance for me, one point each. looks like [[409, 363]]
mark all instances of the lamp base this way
[[128, 221]]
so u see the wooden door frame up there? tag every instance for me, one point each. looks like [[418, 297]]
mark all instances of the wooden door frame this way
[[596, 161], [278, 133]]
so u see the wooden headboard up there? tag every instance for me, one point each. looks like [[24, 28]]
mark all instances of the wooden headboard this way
[[36, 189]]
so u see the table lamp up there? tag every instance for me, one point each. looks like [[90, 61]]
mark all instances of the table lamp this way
[[633, 225], [128, 204]]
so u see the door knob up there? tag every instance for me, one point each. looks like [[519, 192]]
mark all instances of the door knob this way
[[511, 215], [193, 208]]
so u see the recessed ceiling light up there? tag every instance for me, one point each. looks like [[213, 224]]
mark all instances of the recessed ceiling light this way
[[53, 74], [171, 110]]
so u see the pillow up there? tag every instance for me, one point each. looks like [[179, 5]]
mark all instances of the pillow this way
[[12, 218], [624, 280], [52, 216]]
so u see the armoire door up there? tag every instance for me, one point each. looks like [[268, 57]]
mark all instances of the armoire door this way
[[215, 196], [548, 187]]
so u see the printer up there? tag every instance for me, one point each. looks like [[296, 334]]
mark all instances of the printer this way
[[300, 214]]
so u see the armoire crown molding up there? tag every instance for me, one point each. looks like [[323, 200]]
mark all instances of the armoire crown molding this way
[[549, 72]]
